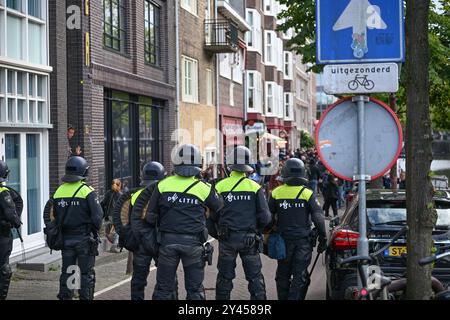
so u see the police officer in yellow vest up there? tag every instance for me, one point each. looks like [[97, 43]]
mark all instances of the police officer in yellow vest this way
[[9, 218], [151, 174], [78, 211], [240, 224], [178, 208], [293, 207]]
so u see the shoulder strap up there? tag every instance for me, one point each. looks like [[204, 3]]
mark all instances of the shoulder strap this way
[[63, 218], [236, 185], [300, 192], [184, 192]]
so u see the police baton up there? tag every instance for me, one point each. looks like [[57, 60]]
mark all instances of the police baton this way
[[20, 236], [314, 265]]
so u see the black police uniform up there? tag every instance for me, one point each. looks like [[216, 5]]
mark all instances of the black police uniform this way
[[10, 209], [77, 210], [182, 225], [240, 223], [292, 219]]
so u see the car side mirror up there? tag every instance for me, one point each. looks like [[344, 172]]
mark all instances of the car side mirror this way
[[334, 222]]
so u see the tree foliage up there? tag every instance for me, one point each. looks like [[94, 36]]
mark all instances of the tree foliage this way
[[306, 141], [300, 16]]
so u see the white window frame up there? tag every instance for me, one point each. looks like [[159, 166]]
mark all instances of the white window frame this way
[[270, 48], [279, 54], [255, 31], [190, 6], [272, 98], [270, 8], [209, 88], [237, 66], [231, 94], [288, 106], [225, 65], [288, 65], [257, 92], [193, 78]]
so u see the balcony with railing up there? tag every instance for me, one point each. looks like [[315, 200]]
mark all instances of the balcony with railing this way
[[221, 36]]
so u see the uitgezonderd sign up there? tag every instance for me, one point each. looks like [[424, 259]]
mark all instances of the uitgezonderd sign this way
[[360, 78]]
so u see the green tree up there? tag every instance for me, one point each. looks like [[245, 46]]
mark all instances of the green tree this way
[[305, 140]]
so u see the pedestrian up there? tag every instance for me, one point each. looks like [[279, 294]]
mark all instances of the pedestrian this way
[[402, 180], [152, 173], [73, 150], [11, 206], [108, 204], [331, 195], [341, 193], [178, 209], [78, 213], [293, 207], [240, 224], [314, 176]]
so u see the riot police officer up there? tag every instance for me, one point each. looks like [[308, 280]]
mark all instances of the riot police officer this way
[[240, 223], [9, 218], [293, 207], [77, 211], [178, 209], [151, 174]]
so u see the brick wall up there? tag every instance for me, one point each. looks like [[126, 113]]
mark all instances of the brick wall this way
[[58, 88]]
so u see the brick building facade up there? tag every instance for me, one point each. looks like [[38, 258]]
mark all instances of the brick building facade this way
[[119, 69]]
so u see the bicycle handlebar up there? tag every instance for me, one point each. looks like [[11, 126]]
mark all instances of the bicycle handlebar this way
[[431, 259], [356, 258]]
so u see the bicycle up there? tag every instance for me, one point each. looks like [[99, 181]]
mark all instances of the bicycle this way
[[382, 287], [445, 293], [361, 81]]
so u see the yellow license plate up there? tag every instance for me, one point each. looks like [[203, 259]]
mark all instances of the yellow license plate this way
[[396, 251]]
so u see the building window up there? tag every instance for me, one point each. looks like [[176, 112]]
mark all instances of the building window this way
[[254, 91], [114, 33], [288, 105], [288, 69], [270, 97], [14, 4], [189, 79], [152, 33], [232, 94], [34, 8], [35, 38], [21, 105], [251, 90], [209, 87], [270, 52], [254, 36], [132, 135], [14, 43], [189, 5]]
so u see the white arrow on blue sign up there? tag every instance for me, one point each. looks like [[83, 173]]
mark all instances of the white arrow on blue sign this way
[[360, 31]]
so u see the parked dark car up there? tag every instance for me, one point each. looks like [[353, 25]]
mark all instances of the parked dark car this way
[[386, 215]]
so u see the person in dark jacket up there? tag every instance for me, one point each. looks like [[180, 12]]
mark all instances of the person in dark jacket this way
[[11, 206], [77, 209], [178, 208], [294, 206], [240, 223], [331, 195], [314, 176], [108, 204]]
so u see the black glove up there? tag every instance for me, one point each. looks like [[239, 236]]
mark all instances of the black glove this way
[[250, 240], [322, 246]]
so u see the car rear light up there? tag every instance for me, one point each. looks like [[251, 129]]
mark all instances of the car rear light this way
[[345, 239]]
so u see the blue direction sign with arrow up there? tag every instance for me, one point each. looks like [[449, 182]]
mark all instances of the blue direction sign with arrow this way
[[359, 31]]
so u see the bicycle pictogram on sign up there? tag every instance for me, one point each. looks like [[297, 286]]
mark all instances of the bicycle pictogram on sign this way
[[361, 80]]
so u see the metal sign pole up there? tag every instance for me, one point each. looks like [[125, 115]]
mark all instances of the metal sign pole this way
[[363, 246]]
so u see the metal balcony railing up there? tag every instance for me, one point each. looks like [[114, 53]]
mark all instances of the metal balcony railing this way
[[221, 36]]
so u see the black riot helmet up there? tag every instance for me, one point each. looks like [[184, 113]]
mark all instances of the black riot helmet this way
[[4, 171], [76, 169], [152, 172], [239, 159], [293, 172], [187, 160]]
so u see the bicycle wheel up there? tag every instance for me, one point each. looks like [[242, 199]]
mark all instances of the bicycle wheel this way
[[369, 85], [353, 85]]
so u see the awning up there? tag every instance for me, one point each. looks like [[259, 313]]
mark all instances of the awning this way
[[281, 143]]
